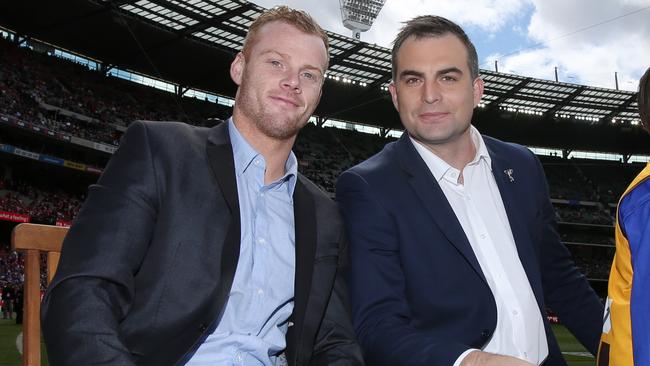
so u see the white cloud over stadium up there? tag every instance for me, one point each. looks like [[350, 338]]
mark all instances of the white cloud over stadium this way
[[587, 40]]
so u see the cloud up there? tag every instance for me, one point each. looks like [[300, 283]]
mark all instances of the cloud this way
[[588, 40], [326, 12], [490, 15]]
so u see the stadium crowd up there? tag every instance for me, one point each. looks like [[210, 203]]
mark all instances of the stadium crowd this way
[[12, 267], [42, 206], [70, 98]]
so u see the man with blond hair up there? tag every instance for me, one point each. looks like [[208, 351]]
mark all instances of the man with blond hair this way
[[206, 246]]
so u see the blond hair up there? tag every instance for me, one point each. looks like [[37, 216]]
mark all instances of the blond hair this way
[[297, 18]]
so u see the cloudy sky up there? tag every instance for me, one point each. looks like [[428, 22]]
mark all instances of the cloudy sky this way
[[587, 40]]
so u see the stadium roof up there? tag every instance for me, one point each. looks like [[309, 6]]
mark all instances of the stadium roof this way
[[192, 42]]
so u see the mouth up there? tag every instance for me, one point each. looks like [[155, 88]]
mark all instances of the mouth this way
[[282, 100], [432, 117]]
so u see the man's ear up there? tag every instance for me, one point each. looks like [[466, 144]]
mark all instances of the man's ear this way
[[393, 94], [237, 68], [478, 90]]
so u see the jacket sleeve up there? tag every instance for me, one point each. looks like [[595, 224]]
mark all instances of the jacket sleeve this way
[[566, 290], [94, 284], [380, 310], [336, 343]]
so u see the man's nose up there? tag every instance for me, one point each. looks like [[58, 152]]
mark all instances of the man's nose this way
[[430, 93], [291, 81]]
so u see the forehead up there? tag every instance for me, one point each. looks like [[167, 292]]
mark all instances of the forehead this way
[[286, 39], [437, 52]]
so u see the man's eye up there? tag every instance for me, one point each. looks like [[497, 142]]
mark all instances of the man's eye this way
[[449, 78], [412, 80], [308, 75], [276, 63]]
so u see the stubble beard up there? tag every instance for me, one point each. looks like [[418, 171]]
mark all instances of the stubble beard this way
[[440, 138], [280, 128]]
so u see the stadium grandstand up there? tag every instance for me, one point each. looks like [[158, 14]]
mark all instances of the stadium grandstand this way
[[74, 74]]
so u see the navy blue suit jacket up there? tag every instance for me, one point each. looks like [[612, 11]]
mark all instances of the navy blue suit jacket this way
[[418, 294]]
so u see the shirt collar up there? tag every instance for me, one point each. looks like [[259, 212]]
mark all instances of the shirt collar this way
[[244, 154], [242, 151], [481, 148], [439, 168]]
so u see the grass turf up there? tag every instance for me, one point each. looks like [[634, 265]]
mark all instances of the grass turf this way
[[9, 355], [569, 344]]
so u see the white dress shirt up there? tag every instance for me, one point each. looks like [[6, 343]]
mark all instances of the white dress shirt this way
[[478, 206]]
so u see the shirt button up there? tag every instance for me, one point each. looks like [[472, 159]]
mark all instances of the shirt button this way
[[483, 236], [260, 292], [515, 312], [257, 162], [261, 240]]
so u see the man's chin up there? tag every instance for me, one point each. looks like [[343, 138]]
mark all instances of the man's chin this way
[[280, 129]]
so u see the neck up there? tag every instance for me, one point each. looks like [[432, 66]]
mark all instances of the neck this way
[[458, 153], [275, 151]]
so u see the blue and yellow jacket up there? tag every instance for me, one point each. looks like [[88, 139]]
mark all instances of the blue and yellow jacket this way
[[626, 331]]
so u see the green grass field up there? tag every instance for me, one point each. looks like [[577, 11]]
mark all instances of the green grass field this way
[[569, 344], [9, 355]]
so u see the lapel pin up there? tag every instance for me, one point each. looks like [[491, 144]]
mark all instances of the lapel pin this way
[[509, 172]]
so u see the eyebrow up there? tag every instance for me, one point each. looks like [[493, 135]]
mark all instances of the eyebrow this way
[[450, 70], [420, 74], [406, 73]]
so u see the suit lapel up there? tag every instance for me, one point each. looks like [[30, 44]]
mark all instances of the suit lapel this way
[[220, 157], [304, 212], [506, 179], [431, 195]]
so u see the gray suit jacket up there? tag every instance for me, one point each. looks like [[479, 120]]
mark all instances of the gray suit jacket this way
[[147, 266]]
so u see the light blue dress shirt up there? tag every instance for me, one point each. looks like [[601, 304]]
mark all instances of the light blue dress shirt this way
[[253, 327]]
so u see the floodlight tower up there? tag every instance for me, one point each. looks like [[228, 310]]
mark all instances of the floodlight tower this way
[[358, 15]]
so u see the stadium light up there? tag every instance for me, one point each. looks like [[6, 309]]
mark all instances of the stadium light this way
[[358, 15]]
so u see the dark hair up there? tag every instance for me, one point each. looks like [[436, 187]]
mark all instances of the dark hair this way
[[434, 26], [643, 99], [296, 18]]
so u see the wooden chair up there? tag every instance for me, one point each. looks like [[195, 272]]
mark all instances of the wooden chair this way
[[34, 239]]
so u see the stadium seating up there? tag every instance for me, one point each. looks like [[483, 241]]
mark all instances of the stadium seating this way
[[46, 93]]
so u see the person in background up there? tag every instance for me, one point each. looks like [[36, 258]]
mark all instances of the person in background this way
[[7, 301], [626, 330]]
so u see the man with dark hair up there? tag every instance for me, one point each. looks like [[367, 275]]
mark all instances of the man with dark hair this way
[[626, 332], [205, 246], [453, 242]]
